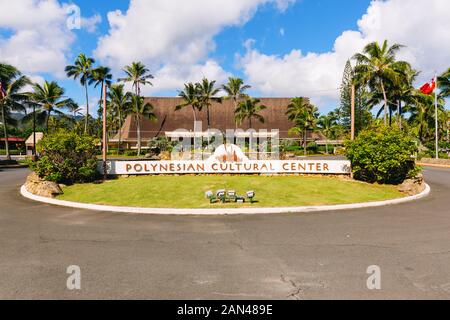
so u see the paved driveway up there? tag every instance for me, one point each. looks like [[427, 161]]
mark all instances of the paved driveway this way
[[295, 256]]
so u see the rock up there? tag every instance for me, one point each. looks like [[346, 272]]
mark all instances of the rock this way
[[40, 187], [165, 155], [412, 186], [152, 157]]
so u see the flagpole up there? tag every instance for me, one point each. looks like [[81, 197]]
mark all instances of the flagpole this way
[[352, 112], [436, 116], [104, 144]]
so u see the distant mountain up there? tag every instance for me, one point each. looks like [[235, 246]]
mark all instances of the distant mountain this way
[[17, 115]]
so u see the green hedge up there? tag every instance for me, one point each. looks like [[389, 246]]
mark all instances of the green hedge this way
[[66, 157], [383, 155]]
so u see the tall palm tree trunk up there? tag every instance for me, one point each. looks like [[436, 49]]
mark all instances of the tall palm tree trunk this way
[[385, 102], [5, 132], [390, 117], [120, 132], [101, 97], [195, 115], [34, 132], [138, 127], [47, 120], [207, 117], [235, 107], [86, 121], [305, 152]]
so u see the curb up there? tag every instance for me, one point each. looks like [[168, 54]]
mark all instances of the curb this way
[[169, 211], [434, 165], [15, 166]]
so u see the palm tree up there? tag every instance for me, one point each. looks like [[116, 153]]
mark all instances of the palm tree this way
[[138, 75], [12, 98], [403, 89], [49, 97], [328, 126], [235, 90], [207, 92], [141, 110], [119, 102], [444, 84], [82, 69], [304, 115], [421, 109], [377, 67], [74, 109], [101, 76], [190, 98], [249, 109]]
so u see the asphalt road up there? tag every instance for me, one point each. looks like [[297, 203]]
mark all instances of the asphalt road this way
[[291, 256]]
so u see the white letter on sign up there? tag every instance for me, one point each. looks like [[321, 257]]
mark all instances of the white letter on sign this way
[[74, 280], [374, 281]]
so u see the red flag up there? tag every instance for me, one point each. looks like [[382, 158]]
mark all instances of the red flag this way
[[429, 87], [2, 91]]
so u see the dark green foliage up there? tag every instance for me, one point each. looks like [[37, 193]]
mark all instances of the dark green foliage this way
[[66, 157], [384, 155], [157, 145], [130, 153], [363, 116], [346, 95]]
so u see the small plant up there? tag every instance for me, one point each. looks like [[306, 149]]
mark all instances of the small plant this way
[[382, 155], [160, 144], [66, 157], [130, 153]]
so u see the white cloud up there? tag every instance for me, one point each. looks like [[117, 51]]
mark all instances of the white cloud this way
[[282, 32], [422, 25], [174, 38], [172, 77], [34, 79], [282, 5], [38, 39], [90, 24]]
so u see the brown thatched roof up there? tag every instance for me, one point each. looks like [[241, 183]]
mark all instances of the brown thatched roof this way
[[221, 116]]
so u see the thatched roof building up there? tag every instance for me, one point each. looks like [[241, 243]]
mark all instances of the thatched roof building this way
[[221, 117]]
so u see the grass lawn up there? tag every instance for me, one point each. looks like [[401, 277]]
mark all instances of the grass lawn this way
[[188, 191]]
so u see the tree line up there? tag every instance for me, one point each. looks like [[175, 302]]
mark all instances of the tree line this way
[[380, 80]]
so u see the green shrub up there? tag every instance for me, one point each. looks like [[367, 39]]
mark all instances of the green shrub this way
[[292, 148], [160, 144], [312, 148], [66, 157], [383, 155], [130, 153]]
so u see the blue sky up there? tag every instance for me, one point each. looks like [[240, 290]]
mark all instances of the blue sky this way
[[280, 47], [310, 25]]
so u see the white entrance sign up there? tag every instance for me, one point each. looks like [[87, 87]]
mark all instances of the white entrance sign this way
[[120, 167]]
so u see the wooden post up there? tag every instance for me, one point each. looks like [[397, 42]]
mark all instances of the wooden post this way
[[104, 133], [353, 113], [33, 154], [436, 121]]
